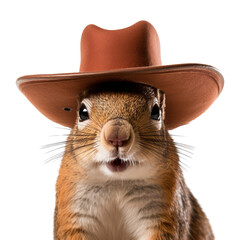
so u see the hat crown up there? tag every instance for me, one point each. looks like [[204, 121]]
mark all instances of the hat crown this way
[[104, 50]]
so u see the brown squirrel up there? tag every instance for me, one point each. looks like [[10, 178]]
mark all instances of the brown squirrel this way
[[120, 177]]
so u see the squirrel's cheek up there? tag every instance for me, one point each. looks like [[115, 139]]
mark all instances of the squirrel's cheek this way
[[82, 125], [158, 124]]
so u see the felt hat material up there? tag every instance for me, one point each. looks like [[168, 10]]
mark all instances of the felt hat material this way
[[129, 54]]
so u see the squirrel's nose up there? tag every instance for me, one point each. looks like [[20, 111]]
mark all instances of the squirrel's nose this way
[[117, 138], [117, 133]]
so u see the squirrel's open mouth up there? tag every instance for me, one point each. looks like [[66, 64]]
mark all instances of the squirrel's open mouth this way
[[117, 165]]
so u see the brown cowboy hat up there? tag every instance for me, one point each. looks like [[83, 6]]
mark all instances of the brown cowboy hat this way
[[129, 54]]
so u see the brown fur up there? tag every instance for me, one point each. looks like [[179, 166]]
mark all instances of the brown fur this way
[[180, 216]]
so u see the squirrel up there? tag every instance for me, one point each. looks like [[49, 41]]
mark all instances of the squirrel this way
[[120, 176]]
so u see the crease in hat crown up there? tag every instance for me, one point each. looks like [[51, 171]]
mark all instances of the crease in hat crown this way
[[105, 50]]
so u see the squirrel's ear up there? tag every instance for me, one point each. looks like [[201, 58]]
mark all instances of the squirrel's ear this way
[[162, 102]]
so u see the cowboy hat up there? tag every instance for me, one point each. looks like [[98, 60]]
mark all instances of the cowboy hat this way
[[129, 54]]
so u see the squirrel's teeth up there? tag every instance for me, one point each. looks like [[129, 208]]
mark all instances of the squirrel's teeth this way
[[117, 165]]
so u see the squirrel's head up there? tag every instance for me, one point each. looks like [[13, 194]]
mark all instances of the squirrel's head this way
[[119, 131]]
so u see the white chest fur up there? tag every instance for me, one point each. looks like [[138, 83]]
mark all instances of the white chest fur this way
[[117, 210]]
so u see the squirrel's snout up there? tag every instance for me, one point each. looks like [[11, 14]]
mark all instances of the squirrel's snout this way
[[117, 133], [117, 136]]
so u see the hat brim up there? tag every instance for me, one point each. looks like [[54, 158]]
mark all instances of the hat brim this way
[[190, 89]]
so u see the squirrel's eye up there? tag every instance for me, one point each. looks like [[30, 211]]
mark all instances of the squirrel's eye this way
[[156, 114], [83, 113]]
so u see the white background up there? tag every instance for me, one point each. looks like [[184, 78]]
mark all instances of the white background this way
[[44, 37]]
